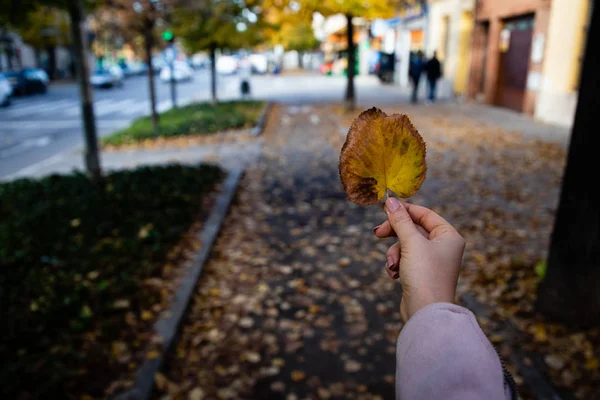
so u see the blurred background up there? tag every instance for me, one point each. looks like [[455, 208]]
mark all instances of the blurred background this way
[[128, 127]]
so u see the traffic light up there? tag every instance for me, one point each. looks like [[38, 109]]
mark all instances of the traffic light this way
[[168, 36]]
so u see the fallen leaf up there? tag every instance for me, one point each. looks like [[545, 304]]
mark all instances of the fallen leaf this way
[[246, 322], [146, 315], [382, 152], [298, 375], [554, 361], [278, 386], [161, 381], [344, 262], [352, 366], [152, 354], [196, 394], [121, 303], [323, 393], [252, 357], [592, 364]]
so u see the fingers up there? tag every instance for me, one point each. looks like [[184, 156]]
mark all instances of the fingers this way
[[400, 219], [392, 265], [385, 230], [429, 220]]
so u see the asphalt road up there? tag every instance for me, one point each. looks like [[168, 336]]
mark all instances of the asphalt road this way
[[37, 127]]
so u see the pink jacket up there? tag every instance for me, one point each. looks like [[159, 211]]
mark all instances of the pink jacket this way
[[443, 354]]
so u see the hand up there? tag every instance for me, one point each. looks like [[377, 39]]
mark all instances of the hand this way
[[427, 257]]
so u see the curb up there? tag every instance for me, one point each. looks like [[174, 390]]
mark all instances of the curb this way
[[167, 326], [260, 126]]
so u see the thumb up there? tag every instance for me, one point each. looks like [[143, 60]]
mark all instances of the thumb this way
[[400, 219]]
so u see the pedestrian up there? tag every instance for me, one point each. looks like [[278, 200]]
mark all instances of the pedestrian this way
[[441, 352], [415, 69], [434, 72]]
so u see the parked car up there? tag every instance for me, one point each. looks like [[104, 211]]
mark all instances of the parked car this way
[[28, 81], [136, 68], [181, 72], [107, 77], [5, 91], [260, 63], [227, 65], [198, 61]]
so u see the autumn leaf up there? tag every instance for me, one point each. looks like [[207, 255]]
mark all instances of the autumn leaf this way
[[382, 152]]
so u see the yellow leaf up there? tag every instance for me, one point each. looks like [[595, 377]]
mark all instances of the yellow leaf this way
[[146, 315], [152, 354], [540, 333], [591, 364], [382, 152], [298, 375], [75, 222]]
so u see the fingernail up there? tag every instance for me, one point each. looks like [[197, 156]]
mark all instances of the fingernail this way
[[375, 229], [392, 204], [396, 275], [390, 261]]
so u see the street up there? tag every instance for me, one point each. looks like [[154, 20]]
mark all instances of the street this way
[[37, 127]]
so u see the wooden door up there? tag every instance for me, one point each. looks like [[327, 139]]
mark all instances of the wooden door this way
[[515, 49]]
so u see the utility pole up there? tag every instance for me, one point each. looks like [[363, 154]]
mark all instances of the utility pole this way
[[170, 55]]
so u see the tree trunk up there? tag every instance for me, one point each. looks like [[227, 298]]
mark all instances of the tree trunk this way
[[300, 60], [148, 42], [51, 50], [213, 72], [350, 101], [92, 158], [569, 291]]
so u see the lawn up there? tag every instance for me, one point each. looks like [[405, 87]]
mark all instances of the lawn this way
[[81, 268], [194, 119]]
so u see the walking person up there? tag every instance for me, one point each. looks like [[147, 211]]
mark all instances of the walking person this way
[[434, 72], [415, 69]]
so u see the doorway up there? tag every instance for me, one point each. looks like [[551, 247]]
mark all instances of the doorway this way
[[515, 48]]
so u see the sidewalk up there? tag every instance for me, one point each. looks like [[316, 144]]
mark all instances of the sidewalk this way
[[229, 155], [295, 303]]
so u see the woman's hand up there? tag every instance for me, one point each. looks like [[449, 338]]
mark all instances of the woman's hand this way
[[427, 257]]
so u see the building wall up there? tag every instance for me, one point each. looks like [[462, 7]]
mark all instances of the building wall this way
[[450, 34], [486, 52], [557, 97]]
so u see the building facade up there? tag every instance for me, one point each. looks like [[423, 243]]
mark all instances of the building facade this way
[[526, 55], [450, 34]]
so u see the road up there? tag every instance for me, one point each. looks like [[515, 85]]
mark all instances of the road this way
[[37, 127]]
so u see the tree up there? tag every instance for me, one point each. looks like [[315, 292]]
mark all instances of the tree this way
[[141, 17], [355, 8], [569, 291], [46, 28], [216, 24], [14, 14], [91, 157], [294, 32]]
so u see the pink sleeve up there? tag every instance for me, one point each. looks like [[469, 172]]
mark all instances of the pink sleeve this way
[[443, 354]]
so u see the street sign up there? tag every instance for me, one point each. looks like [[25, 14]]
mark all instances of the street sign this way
[[170, 55]]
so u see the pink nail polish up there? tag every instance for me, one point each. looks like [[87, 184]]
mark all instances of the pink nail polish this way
[[392, 204], [375, 229], [390, 262]]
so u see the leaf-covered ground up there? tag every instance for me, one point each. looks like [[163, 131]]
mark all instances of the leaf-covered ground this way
[[85, 269], [295, 303]]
